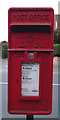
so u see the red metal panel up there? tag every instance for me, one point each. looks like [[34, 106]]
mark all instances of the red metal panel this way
[[30, 30]]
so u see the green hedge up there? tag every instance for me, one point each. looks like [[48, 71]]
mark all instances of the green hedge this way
[[57, 36], [4, 50], [56, 49]]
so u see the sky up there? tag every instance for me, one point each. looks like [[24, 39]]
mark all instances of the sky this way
[[6, 4]]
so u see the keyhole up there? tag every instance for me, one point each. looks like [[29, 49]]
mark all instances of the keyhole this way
[[17, 81]]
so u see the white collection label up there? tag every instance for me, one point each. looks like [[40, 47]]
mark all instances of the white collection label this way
[[30, 79]]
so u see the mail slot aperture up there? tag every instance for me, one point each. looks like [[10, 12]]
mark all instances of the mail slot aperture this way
[[30, 28]]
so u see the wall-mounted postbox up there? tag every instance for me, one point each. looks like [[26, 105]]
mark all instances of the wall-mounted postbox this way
[[30, 60]]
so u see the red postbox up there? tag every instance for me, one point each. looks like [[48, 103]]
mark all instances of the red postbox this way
[[30, 60]]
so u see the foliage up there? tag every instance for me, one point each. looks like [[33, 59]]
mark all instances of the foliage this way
[[57, 36], [4, 50], [56, 49]]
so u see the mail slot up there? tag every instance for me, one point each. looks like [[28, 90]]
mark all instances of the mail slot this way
[[30, 60]]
